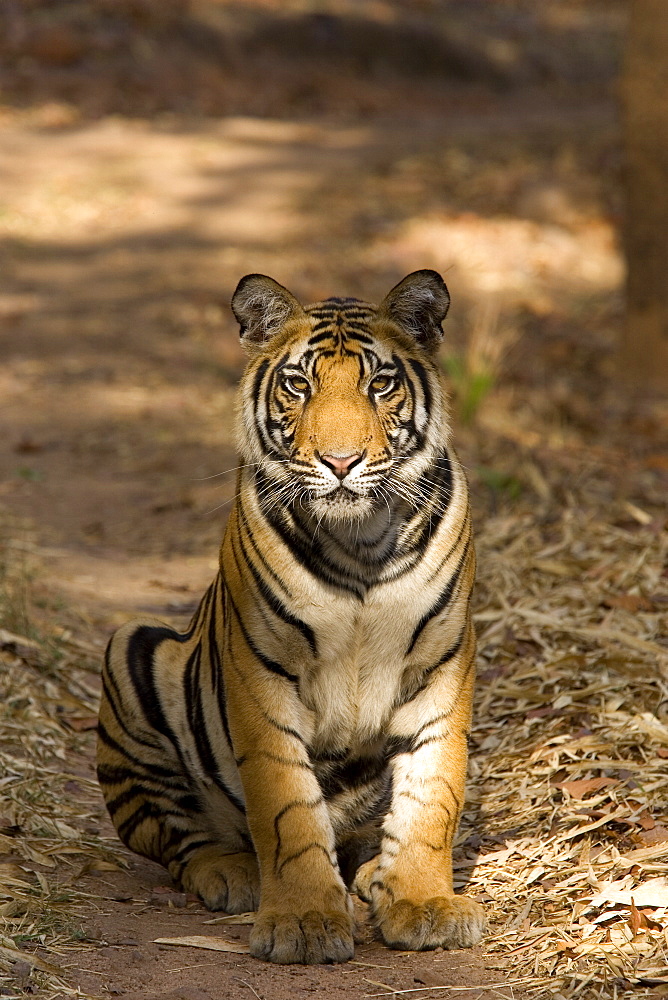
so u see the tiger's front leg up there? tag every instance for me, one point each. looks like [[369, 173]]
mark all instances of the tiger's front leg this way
[[410, 884], [305, 913]]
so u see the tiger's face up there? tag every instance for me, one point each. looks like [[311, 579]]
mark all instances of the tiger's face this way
[[342, 406]]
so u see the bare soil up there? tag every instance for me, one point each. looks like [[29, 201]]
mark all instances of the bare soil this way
[[123, 236]]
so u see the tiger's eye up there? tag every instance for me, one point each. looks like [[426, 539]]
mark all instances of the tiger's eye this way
[[382, 383], [296, 383]]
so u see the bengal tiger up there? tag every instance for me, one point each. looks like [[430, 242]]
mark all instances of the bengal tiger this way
[[312, 720]]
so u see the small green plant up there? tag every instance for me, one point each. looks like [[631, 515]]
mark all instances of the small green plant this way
[[499, 482], [14, 583], [29, 474], [470, 387], [474, 372]]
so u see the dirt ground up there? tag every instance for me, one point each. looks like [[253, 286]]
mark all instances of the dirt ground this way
[[122, 238]]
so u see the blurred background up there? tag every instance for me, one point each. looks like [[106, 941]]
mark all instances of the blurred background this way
[[154, 151]]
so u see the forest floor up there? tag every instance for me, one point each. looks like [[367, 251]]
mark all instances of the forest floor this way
[[122, 237]]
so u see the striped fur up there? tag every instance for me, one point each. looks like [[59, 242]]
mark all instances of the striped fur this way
[[309, 728]]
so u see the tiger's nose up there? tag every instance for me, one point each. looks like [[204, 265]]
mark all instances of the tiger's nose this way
[[341, 464]]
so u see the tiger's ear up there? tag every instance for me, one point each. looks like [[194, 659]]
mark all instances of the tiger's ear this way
[[262, 307], [419, 304]]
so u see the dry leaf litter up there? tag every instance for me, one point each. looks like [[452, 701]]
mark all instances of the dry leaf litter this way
[[565, 832], [48, 700]]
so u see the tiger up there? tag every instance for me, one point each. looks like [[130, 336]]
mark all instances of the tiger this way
[[306, 736]]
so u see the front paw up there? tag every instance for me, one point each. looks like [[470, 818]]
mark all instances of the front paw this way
[[311, 938], [440, 922]]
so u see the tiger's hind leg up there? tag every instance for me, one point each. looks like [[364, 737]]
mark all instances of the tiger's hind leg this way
[[221, 868], [199, 862], [229, 882], [161, 806]]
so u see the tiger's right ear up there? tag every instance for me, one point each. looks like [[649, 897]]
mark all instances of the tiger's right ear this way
[[262, 307]]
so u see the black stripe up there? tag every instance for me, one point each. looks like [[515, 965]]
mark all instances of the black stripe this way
[[140, 652], [277, 605], [464, 525], [259, 376], [120, 718], [192, 692], [140, 765], [180, 856], [421, 374], [280, 760], [288, 730], [405, 697], [187, 803], [399, 744], [441, 603], [314, 846], [353, 334], [307, 551], [296, 804], [319, 337], [351, 774], [269, 424], [409, 424], [272, 665], [217, 675], [201, 612], [148, 810]]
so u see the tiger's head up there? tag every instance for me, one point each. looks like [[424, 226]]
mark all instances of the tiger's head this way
[[342, 406]]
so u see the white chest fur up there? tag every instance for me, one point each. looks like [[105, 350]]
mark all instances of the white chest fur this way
[[353, 685]]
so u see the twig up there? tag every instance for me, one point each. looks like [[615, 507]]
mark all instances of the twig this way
[[459, 989], [251, 988]]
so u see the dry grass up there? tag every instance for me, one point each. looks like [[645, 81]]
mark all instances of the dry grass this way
[[48, 700]]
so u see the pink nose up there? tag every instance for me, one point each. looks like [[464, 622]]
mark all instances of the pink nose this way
[[340, 464]]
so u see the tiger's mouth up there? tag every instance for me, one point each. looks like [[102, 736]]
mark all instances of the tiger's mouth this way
[[341, 505], [341, 494]]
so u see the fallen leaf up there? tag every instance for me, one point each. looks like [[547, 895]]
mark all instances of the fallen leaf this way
[[646, 820], [653, 893], [34, 960], [210, 943], [628, 602], [98, 865], [641, 854], [579, 789], [656, 835], [37, 857], [428, 977], [635, 919], [20, 645], [81, 724]]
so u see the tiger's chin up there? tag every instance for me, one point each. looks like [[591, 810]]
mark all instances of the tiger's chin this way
[[342, 507]]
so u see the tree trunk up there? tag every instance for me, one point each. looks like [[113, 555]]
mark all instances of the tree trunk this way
[[643, 353]]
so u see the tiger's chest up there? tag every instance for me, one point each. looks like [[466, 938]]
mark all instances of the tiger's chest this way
[[354, 683]]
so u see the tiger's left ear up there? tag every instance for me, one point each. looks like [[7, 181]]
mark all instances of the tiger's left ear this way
[[262, 308], [419, 304]]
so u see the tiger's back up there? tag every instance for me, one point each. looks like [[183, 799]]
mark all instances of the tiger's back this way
[[313, 717]]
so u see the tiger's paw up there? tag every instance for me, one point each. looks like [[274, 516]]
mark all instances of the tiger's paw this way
[[441, 922], [229, 882], [311, 938]]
